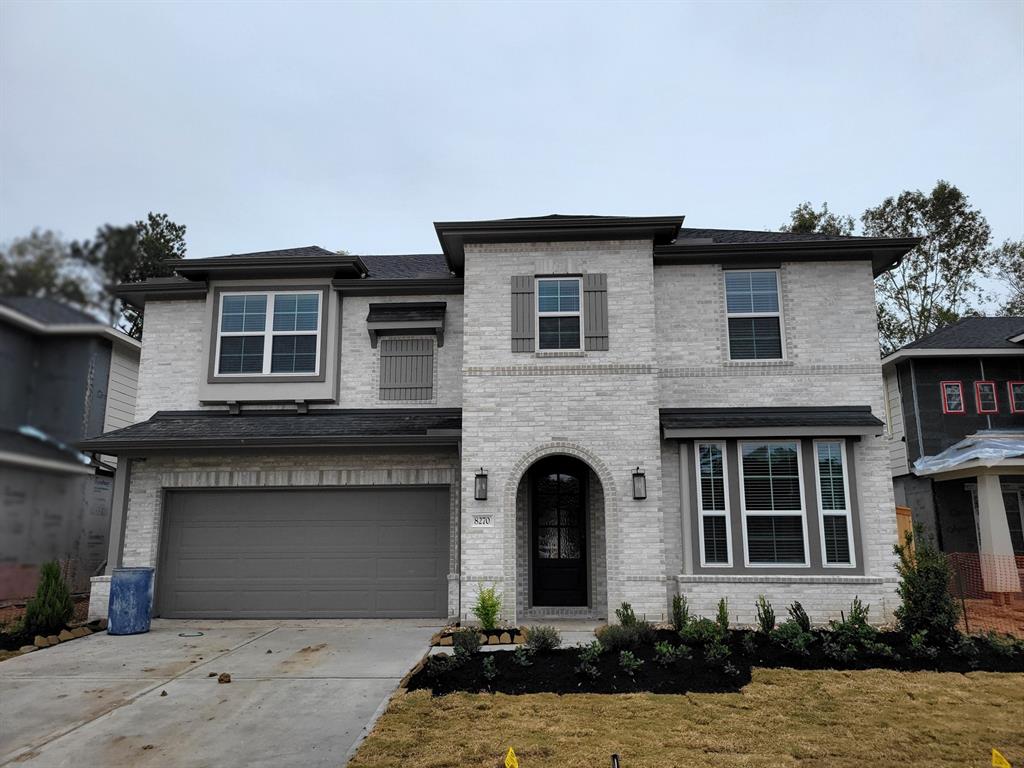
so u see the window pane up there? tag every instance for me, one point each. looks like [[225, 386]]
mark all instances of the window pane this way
[[737, 292], [775, 539], [837, 543], [293, 354], [830, 476], [569, 543], [986, 392], [243, 313], [712, 478], [296, 312], [1017, 395], [755, 338], [547, 543], [241, 354], [953, 397], [716, 545], [559, 332], [751, 292], [771, 476], [558, 295]]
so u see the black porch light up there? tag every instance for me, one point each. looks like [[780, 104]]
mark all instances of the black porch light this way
[[639, 484], [480, 486]]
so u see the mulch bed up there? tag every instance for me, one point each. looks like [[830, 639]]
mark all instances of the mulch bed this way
[[556, 671]]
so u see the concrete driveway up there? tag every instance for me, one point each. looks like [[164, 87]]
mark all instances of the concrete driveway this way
[[301, 693]]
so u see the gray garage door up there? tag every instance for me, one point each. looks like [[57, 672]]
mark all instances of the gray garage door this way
[[304, 553]]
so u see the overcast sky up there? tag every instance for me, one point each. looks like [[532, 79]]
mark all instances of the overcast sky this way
[[264, 125]]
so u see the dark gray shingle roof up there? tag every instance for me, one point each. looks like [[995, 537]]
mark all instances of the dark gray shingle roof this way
[[255, 429], [48, 311], [406, 266], [732, 236], [729, 418], [974, 333], [305, 251]]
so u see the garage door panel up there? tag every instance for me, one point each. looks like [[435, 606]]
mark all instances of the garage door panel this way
[[308, 553]]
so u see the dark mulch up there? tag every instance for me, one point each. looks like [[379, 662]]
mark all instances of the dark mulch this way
[[557, 671]]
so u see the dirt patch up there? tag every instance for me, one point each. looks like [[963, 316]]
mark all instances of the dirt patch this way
[[302, 658]]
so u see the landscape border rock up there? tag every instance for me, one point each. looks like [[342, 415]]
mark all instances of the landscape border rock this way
[[509, 635]]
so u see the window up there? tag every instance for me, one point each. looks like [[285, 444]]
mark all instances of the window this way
[[985, 397], [772, 499], [952, 397], [753, 315], [713, 503], [834, 503], [1016, 391], [268, 333], [558, 313]]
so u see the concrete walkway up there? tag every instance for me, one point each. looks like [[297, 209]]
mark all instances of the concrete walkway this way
[[301, 693]]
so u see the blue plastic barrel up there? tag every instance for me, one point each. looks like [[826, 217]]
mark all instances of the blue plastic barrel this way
[[131, 601]]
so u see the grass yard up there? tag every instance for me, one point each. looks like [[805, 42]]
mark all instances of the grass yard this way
[[783, 718]]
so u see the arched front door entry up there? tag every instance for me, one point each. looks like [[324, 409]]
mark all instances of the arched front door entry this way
[[559, 531]]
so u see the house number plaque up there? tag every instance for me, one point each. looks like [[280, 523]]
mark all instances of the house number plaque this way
[[483, 521]]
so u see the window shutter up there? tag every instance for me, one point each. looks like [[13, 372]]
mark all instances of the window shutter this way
[[595, 312], [523, 312], [406, 369]]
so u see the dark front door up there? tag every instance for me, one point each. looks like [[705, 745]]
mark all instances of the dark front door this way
[[559, 532]]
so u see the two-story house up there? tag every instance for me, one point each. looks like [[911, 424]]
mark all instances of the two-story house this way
[[582, 410], [955, 406], [66, 376]]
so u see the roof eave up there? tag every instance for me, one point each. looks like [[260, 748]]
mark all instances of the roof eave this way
[[144, 447], [913, 352], [398, 286], [262, 266]]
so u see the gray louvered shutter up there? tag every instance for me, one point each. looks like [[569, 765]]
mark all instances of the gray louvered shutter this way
[[595, 312], [406, 369], [522, 313]]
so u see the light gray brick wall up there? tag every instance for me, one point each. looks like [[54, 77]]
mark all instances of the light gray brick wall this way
[[171, 364]]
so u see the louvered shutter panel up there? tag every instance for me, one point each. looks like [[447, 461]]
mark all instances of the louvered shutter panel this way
[[522, 313], [406, 369], [595, 312]]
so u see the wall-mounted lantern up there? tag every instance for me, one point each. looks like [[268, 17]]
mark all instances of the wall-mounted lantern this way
[[639, 484], [480, 486]]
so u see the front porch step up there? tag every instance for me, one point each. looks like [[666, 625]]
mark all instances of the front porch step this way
[[559, 612]]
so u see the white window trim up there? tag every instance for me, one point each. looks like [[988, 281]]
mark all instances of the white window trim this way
[[538, 314], [702, 513], [268, 333], [802, 512], [846, 512], [728, 315]]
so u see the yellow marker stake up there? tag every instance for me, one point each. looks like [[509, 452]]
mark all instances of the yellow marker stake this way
[[511, 761], [998, 761]]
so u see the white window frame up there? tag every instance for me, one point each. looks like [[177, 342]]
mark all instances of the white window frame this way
[[702, 513], [847, 512], [269, 333], [538, 314], [778, 314], [745, 513]]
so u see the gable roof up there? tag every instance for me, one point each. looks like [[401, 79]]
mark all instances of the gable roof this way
[[48, 311], [971, 336]]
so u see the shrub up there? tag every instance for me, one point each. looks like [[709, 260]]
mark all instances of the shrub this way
[[927, 603], [702, 631], [680, 612], [440, 663], [792, 637], [1001, 645], [629, 663], [919, 646], [722, 617], [522, 656], [749, 646], [488, 607], [489, 670], [665, 653], [799, 615], [617, 637], [716, 652], [765, 615], [465, 641], [50, 610], [543, 638], [852, 636], [588, 656], [626, 616]]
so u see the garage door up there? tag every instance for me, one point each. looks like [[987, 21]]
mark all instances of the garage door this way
[[380, 552]]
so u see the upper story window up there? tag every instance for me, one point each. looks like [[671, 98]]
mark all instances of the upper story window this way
[[559, 317], [985, 397], [1016, 393], [772, 503], [754, 314], [268, 332], [952, 396]]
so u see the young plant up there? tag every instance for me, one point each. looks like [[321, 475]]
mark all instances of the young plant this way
[[765, 615], [722, 617], [799, 615], [522, 656], [617, 637], [543, 638], [626, 616], [50, 610], [716, 653], [629, 663], [487, 608], [667, 654], [927, 603], [680, 612], [588, 658], [465, 642], [792, 637], [488, 668], [702, 632], [852, 636], [919, 646]]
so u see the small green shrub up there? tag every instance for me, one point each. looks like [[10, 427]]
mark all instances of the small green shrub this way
[[543, 638], [522, 656], [440, 663], [702, 631], [749, 645], [487, 608], [626, 616], [926, 601], [588, 658], [465, 641], [716, 652], [680, 612], [617, 637], [1002, 645], [852, 636], [799, 615], [919, 646], [765, 615], [629, 663], [722, 617], [792, 637], [50, 610], [966, 649], [489, 669], [666, 654]]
